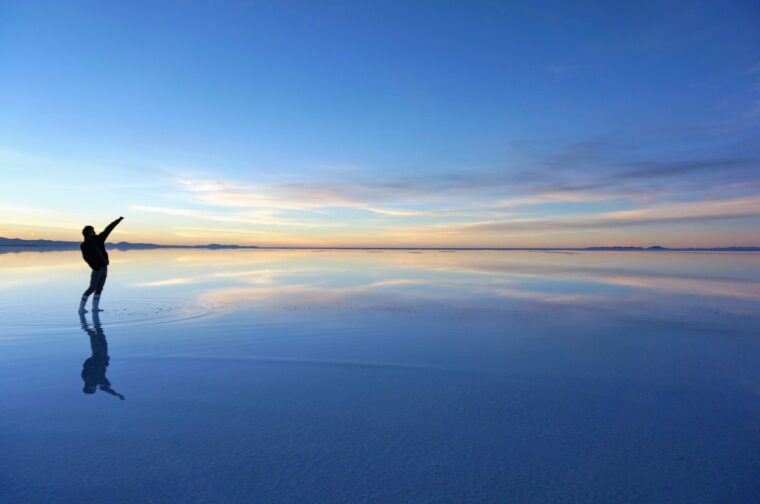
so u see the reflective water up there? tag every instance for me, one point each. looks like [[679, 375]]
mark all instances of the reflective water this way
[[381, 376]]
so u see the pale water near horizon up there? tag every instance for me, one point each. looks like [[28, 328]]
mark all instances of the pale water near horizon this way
[[382, 376]]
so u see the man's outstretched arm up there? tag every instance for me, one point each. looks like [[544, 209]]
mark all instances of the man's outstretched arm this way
[[109, 390], [109, 228]]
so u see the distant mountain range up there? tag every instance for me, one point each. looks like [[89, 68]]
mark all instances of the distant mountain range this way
[[689, 249], [8, 244], [64, 245]]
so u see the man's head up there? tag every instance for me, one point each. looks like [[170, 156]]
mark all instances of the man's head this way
[[88, 231]]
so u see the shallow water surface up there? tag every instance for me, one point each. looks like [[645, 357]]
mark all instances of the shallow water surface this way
[[381, 376]]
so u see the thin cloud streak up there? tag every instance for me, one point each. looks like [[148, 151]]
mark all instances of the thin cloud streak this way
[[687, 212], [264, 218]]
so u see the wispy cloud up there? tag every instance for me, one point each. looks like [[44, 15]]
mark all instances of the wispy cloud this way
[[593, 184], [701, 211], [259, 218], [627, 177], [587, 180], [318, 196], [166, 283]]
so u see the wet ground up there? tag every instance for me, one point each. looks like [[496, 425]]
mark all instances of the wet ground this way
[[382, 376]]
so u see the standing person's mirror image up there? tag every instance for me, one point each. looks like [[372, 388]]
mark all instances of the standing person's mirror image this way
[[94, 253], [94, 368]]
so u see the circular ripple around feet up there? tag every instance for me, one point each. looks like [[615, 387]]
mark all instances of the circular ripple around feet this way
[[117, 313]]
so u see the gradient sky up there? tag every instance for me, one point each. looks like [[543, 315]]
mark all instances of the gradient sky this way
[[386, 123]]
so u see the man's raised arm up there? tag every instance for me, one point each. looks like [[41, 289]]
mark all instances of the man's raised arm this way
[[109, 228]]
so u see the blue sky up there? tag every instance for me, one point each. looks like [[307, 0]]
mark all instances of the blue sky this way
[[408, 123]]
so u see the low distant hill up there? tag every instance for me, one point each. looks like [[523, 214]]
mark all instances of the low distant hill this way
[[18, 242], [65, 245], [658, 248]]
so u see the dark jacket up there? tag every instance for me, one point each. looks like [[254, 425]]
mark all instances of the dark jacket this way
[[94, 248]]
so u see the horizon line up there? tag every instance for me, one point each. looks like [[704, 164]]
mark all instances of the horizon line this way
[[369, 247]]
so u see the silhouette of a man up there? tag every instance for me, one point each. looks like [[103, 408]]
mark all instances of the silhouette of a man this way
[[94, 368], [94, 253]]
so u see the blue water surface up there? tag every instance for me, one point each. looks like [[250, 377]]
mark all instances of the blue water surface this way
[[348, 376]]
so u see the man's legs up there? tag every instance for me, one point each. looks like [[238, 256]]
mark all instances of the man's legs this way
[[90, 290], [101, 281], [97, 280]]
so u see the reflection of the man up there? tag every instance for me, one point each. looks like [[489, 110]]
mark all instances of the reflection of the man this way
[[94, 368]]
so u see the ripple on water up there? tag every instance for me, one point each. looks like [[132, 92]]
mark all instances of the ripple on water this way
[[29, 318]]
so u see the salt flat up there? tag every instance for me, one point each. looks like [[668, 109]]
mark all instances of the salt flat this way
[[383, 376]]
